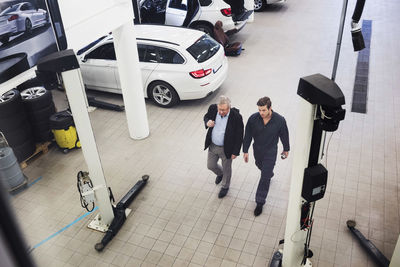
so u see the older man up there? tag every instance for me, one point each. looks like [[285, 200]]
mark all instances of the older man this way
[[266, 127], [223, 140]]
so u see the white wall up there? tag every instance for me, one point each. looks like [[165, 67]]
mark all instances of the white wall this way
[[87, 20]]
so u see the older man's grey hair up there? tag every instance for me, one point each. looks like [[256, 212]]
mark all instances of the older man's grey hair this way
[[224, 100]]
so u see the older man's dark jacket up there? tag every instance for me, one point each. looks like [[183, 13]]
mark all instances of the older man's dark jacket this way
[[233, 133]]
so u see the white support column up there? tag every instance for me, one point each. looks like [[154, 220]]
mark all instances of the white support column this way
[[75, 92], [293, 249], [131, 80]]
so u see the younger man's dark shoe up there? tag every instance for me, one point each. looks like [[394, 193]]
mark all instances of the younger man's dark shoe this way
[[218, 179], [258, 210], [223, 192]]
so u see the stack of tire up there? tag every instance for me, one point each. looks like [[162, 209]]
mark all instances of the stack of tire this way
[[38, 102], [15, 125]]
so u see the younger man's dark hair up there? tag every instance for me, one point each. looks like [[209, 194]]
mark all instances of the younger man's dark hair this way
[[264, 101]]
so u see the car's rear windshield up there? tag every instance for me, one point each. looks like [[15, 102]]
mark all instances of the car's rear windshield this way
[[9, 9], [204, 48]]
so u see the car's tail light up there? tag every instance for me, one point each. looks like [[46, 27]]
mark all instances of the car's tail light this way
[[13, 17], [227, 12], [200, 73]]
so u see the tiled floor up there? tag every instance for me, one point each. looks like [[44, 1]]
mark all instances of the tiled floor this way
[[177, 220]]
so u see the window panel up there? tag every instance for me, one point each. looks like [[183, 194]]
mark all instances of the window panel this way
[[170, 56]]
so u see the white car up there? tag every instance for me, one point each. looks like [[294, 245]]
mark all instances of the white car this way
[[22, 17], [196, 14], [176, 64], [259, 5]]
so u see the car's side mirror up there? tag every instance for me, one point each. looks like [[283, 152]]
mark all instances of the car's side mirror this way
[[84, 59]]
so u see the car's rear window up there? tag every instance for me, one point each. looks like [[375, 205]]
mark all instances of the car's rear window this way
[[9, 10], [204, 48], [205, 2]]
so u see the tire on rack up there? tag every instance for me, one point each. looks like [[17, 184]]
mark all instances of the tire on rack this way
[[18, 136], [163, 94], [259, 5], [42, 115], [36, 98], [42, 133], [24, 150], [13, 122], [10, 103]]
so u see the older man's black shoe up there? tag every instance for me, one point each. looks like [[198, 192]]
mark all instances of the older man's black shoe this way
[[218, 179], [223, 192], [258, 210]]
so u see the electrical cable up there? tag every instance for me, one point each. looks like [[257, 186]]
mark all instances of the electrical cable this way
[[323, 113], [304, 226], [308, 238], [327, 148], [79, 185]]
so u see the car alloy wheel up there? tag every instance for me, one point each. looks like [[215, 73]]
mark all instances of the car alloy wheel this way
[[258, 5], [7, 96], [10, 104], [32, 93], [163, 94]]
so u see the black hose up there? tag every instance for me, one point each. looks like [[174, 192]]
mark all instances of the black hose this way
[[358, 10]]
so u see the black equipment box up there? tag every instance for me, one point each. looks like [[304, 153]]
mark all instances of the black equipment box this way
[[314, 183]]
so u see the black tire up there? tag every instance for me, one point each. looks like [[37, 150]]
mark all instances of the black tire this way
[[163, 94], [14, 122], [44, 136], [41, 132], [204, 28], [36, 98], [42, 115], [61, 120], [25, 150], [5, 39], [28, 26], [18, 136], [259, 5], [41, 127], [10, 103]]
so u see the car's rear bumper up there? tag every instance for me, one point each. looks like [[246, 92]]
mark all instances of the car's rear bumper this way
[[207, 87], [238, 27]]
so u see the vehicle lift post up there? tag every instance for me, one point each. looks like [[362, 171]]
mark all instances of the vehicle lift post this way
[[109, 219], [320, 110]]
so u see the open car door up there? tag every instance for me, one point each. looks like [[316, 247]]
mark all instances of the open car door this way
[[176, 12]]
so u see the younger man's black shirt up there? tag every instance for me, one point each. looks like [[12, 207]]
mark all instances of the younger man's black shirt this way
[[266, 137]]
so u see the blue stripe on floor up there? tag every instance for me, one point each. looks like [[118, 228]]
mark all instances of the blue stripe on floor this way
[[35, 181], [61, 230], [19, 190]]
